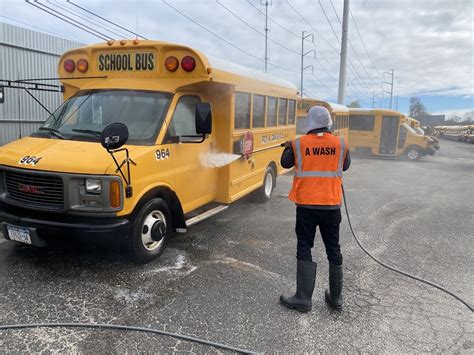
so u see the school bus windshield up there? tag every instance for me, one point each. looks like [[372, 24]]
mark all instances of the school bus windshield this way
[[142, 112]]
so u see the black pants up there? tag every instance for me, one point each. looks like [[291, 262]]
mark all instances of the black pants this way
[[328, 221]]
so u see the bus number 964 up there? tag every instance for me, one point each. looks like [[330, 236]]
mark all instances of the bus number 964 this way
[[162, 154]]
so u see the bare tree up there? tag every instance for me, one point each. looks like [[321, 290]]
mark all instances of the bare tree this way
[[354, 103], [417, 109]]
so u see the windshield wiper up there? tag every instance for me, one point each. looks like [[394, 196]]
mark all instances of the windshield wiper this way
[[88, 131], [52, 131]]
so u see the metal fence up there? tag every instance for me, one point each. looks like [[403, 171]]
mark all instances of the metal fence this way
[[27, 54]]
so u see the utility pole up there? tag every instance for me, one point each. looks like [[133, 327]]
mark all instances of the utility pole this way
[[266, 3], [303, 54], [392, 74], [343, 62]]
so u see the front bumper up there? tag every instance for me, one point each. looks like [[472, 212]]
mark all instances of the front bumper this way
[[429, 151], [48, 226]]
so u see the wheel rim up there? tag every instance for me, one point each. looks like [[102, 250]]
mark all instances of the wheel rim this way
[[268, 184], [151, 219], [413, 154]]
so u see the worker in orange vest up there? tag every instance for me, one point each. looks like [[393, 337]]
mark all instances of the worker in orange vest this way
[[319, 158]]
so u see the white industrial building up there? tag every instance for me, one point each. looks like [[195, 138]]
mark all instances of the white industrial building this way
[[27, 54]]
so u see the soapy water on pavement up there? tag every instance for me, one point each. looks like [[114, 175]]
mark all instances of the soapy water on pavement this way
[[215, 159]]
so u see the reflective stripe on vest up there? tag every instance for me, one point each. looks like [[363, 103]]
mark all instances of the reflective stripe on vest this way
[[314, 173]]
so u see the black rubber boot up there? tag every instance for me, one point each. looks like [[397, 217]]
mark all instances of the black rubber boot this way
[[334, 295], [305, 279]]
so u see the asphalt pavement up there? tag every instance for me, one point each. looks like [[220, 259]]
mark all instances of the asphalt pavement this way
[[221, 281]]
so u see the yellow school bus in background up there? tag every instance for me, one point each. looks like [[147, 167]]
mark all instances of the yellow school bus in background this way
[[202, 133], [456, 133], [339, 115], [415, 124], [469, 134], [386, 133]]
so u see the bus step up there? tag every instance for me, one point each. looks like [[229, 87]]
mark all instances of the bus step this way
[[206, 215]]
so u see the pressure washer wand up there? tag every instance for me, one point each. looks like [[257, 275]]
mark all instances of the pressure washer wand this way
[[267, 148]]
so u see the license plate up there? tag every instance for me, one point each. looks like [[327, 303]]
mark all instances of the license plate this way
[[19, 234]]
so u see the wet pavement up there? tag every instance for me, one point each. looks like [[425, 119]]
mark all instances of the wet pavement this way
[[221, 281]]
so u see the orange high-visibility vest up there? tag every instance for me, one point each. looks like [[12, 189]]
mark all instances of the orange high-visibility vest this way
[[319, 159]]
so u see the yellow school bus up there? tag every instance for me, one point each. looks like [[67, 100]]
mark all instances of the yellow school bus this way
[[386, 133], [415, 124], [339, 115], [152, 138], [469, 134], [457, 133]]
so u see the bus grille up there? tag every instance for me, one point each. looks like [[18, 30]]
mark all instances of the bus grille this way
[[35, 189]]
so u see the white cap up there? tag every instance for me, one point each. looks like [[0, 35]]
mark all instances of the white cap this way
[[318, 117]]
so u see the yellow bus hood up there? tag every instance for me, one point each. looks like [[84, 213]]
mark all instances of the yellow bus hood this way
[[77, 157]]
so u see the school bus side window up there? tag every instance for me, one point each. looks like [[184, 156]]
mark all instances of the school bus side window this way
[[362, 122], [242, 111], [258, 120], [291, 112], [183, 122], [282, 114], [272, 112]]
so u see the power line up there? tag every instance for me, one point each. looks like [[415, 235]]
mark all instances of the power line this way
[[56, 3], [320, 83], [256, 30], [335, 12], [212, 33], [38, 28], [363, 43], [104, 19], [352, 47], [355, 23], [327, 18], [357, 76], [360, 62], [353, 70], [84, 28], [223, 39], [318, 51], [298, 36], [324, 69], [275, 22], [72, 19], [314, 29]]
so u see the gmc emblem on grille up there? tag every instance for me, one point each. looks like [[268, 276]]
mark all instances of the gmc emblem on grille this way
[[30, 189]]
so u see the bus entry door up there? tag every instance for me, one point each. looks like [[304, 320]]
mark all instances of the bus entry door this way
[[388, 135], [195, 183]]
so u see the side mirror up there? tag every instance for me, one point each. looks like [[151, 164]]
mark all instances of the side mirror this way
[[114, 136], [203, 118]]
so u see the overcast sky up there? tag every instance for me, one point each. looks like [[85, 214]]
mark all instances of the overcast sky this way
[[429, 43]]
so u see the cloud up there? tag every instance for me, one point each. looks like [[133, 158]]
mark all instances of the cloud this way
[[429, 43]]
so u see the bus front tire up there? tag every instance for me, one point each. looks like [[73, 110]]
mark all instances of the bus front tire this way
[[269, 181], [151, 231], [413, 153]]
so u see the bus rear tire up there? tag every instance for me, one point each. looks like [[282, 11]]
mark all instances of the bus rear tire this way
[[413, 153], [150, 231], [269, 182]]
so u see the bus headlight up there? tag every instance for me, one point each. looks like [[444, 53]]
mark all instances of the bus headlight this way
[[93, 193], [93, 186]]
